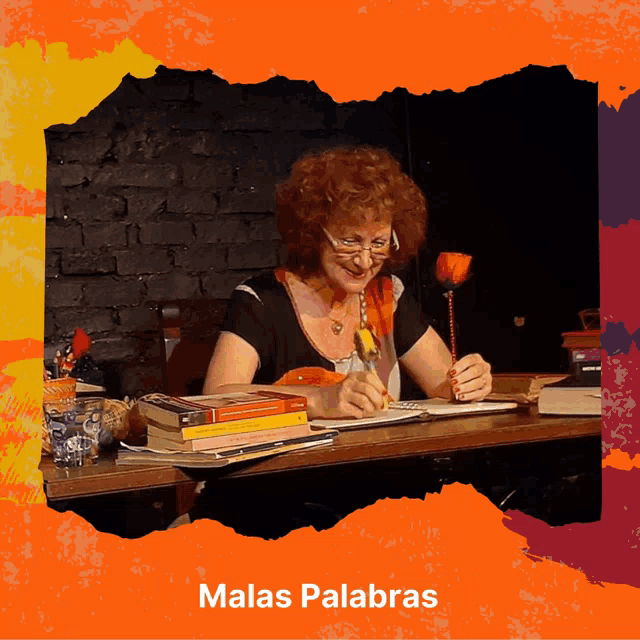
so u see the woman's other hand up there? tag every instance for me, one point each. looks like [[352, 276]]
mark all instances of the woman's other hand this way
[[359, 395], [471, 378]]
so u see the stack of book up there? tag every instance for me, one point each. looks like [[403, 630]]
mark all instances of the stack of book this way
[[579, 394], [218, 429], [584, 355], [571, 397]]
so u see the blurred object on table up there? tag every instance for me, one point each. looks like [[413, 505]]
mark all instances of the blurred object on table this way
[[583, 348], [58, 394], [74, 431], [115, 421], [590, 319], [87, 371], [137, 433], [523, 388]]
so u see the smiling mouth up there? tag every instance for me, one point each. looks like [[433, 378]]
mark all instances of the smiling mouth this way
[[358, 275]]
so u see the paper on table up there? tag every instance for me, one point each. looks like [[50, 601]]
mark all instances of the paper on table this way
[[130, 455], [441, 407], [382, 417], [84, 387], [145, 449]]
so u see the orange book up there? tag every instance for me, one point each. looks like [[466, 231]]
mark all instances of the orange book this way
[[192, 411], [262, 423], [581, 340]]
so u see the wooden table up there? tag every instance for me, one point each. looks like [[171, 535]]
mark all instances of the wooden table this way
[[432, 437], [388, 443]]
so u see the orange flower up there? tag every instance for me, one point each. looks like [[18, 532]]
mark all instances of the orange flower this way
[[452, 269]]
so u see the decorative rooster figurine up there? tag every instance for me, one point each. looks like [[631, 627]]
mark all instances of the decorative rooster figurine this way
[[80, 345], [452, 269]]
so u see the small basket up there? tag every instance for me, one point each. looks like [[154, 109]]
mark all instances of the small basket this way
[[61, 391], [115, 418]]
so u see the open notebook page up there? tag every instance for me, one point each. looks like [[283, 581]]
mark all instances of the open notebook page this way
[[404, 411]]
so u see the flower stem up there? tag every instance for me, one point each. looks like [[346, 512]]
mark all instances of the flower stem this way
[[452, 326]]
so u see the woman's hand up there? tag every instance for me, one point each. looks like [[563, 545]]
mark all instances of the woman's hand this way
[[359, 395], [471, 378]]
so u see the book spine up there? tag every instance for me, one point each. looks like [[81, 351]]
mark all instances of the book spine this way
[[159, 443], [158, 414], [182, 412], [163, 431], [250, 438], [156, 439], [588, 373], [585, 355], [244, 426], [252, 410], [175, 414], [295, 403], [582, 343]]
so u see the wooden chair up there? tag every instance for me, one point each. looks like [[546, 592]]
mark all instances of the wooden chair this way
[[189, 330]]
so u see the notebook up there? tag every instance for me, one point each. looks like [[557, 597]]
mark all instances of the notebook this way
[[414, 411], [382, 417], [439, 407]]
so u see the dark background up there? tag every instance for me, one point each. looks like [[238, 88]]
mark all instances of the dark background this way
[[165, 192]]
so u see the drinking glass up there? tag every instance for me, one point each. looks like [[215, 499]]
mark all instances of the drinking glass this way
[[74, 430]]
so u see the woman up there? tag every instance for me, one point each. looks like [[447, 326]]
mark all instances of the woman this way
[[347, 216]]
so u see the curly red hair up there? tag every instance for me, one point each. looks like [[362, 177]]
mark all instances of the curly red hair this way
[[348, 186]]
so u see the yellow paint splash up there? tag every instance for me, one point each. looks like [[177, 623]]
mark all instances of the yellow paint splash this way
[[41, 90], [21, 277], [38, 90], [21, 423]]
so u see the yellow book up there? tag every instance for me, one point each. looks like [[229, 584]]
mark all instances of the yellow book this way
[[244, 426]]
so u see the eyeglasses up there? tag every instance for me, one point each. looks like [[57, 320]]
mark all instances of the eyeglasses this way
[[348, 248]]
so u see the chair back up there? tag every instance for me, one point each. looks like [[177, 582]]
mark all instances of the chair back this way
[[189, 330]]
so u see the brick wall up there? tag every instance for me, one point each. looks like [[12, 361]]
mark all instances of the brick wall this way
[[164, 192]]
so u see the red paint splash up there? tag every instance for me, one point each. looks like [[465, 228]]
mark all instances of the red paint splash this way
[[19, 201], [605, 551]]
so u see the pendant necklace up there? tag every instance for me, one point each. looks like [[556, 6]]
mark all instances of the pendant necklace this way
[[338, 325]]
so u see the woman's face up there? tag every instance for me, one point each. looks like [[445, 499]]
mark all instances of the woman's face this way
[[356, 255]]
